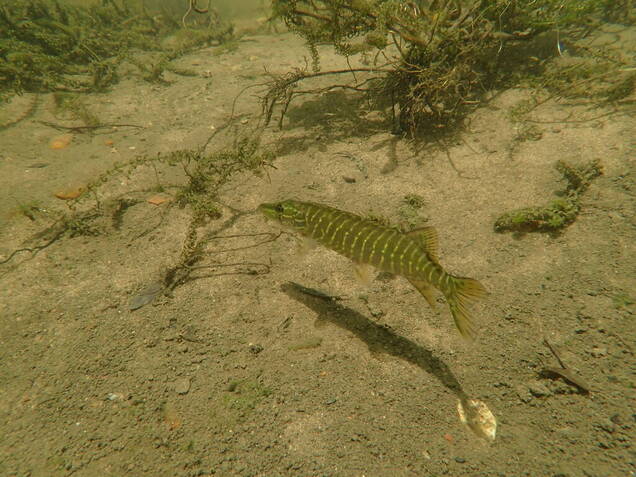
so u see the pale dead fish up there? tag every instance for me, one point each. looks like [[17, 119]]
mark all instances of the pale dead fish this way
[[476, 415]]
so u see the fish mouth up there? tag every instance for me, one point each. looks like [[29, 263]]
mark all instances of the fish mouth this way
[[268, 210]]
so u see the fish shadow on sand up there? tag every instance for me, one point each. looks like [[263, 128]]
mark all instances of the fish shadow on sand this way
[[377, 337]]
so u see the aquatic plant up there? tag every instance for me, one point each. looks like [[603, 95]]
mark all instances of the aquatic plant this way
[[559, 212], [49, 46], [431, 61]]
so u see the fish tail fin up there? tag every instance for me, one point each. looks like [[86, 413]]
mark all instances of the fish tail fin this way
[[461, 293]]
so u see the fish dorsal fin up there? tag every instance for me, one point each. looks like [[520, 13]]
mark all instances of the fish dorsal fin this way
[[426, 237]]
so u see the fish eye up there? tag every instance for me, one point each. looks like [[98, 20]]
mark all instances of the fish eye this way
[[279, 208]]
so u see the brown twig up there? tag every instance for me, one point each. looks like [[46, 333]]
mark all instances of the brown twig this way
[[281, 88], [192, 5], [564, 372], [554, 353], [80, 129], [271, 238]]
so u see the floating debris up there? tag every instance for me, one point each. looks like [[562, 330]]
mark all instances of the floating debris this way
[[476, 415]]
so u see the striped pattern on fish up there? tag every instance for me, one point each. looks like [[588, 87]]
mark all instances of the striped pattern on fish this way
[[412, 254]]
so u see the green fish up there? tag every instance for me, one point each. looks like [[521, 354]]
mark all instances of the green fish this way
[[412, 254]]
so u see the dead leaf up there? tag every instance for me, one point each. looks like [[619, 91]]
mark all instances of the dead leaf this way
[[171, 417], [69, 194], [60, 142], [157, 199]]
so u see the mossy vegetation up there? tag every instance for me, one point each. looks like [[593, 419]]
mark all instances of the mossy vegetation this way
[[46, 45], [31, 209], [238, 402], [73, 106], [410, 212], [94, 210], [430, 63], [414, 201], [602, 77], [559, 212], [623, 301], [243, 396]]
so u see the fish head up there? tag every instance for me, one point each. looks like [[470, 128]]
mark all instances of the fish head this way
[[287, 212]]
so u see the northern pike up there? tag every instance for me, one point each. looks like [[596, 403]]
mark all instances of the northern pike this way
[[412, 254]]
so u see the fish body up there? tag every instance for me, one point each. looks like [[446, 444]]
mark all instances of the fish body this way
[[412, 254]]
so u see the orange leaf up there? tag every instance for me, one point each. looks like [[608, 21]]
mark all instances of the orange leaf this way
[[61, 142], [171, 418], [69, 194], [157, 200]]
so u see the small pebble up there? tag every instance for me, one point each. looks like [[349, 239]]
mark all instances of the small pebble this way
[[608, 426], [375, 311], [616, 419], [349, 180], [460, 460], [182, 385], [523, 393], [598, 352], [255, 348], [538, 389]]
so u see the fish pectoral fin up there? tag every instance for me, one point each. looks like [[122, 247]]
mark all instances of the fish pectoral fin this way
[[426, 289], [364, 273], [305, 245], [427, 238]]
